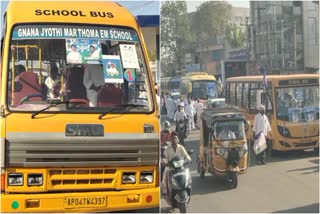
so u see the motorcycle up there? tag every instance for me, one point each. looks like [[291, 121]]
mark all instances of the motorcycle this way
[[178, 184], [181, 129]]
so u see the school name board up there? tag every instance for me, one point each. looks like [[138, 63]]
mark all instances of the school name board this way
[[45, 32], [298, 82]]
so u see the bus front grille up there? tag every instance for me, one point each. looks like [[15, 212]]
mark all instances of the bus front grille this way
[[81, 153], [81, 178], [313, 143]]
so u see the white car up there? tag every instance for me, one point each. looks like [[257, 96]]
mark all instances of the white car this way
[[175, 95], [216, 102]]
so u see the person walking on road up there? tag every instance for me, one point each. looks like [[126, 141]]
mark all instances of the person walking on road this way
[[261, 125], [190, 111]]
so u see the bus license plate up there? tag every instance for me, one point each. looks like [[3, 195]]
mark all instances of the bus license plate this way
[[81, 202]]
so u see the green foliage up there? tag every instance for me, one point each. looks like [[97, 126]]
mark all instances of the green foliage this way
[[211, 19], [152, 55], [175, 30], [235, 36]]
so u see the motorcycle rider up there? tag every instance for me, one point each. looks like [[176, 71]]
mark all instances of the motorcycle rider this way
[[180, 115], [174, 149], [165, 133]]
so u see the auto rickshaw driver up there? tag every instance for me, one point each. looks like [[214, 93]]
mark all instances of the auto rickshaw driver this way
[[226, 134]]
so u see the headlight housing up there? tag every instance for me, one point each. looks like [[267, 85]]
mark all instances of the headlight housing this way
[[35, 179], [15, 179], [243, 150], [129, 178], [178, 164], [146, 177], [220, 151]]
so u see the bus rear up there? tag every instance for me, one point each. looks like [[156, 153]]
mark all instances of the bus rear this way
[[79, 125], [199, 85]]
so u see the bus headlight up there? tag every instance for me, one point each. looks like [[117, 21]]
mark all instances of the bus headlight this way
[[15, 179], [35, 179], [129, 178], [146, 177], [284, 131]]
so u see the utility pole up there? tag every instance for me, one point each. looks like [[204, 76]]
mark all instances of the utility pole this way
[[282, 44], [248, 30], [295, 46]]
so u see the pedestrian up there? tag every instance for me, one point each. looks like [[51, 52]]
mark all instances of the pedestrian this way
[[261, 125], [199, 109], [190, 111], [171, 107]]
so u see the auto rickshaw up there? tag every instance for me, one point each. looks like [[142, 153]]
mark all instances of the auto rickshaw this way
[[223, 144]]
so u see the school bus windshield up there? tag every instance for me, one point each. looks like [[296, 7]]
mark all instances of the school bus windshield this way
[[204, 89], [297, 104], [89, 68]]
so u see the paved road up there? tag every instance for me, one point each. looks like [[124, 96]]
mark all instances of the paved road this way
[[288, 183]]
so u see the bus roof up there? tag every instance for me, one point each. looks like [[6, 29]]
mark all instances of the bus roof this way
[[100, 12], [272, 77], [199, 76]]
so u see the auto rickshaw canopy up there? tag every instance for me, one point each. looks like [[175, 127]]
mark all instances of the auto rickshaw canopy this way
[[221, 114]]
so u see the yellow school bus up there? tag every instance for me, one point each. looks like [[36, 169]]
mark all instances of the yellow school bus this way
[[199, 85], [79, 125], [292, 106]]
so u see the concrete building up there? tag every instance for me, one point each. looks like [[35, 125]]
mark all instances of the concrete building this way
[[209, 55], [285, 36]]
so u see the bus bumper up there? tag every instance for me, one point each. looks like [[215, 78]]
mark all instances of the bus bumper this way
[[81, 201]]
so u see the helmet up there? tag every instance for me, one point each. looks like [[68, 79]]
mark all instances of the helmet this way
[[166, 125], [181, 104]]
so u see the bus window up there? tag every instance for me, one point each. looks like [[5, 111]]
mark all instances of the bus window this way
[[239, 94], [232, 93], [245, 100], [92, 67]]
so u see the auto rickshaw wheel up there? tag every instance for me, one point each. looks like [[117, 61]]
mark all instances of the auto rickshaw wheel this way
[[234, 180], [202, 172]]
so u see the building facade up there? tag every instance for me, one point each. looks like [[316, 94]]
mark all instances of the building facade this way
[[210, 55], [285, 36]]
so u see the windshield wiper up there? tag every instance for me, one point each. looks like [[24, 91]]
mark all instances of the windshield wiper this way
[[118, 107], [50, 106]]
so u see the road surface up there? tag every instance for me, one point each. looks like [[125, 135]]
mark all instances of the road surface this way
[[288, 183]]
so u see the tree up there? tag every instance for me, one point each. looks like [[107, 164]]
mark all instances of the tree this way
[[210, 22], [211, 19], [235, 36], [175, 31]]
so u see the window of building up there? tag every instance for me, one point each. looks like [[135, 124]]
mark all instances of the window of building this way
[[313, 31]]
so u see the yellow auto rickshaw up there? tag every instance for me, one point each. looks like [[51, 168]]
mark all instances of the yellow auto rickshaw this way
[[223, 144]]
